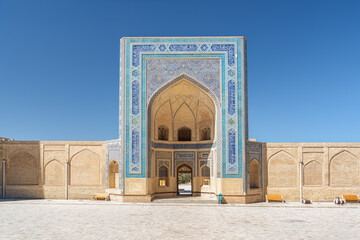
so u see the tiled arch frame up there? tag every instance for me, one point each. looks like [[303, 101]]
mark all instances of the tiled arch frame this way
[[217, 117], [133, 92]]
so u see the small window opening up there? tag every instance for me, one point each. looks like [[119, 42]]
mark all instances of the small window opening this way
[[184, 134], [163, 133], [163, 176], [205, 134]]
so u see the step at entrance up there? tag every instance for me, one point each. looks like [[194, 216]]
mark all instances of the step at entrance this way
[[186, 199]]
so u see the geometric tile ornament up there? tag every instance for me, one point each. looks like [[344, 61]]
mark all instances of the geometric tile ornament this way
[[215, 64]]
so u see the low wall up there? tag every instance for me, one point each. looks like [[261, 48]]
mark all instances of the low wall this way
[[321, 171], [54, 169]]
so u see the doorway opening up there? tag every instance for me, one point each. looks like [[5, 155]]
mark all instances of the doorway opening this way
[[114, 174], [184, 180]]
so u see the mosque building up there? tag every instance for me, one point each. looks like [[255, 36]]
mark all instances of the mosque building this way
[[182, 112]]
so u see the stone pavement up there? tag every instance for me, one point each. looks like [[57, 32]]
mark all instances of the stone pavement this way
[[75, 219]]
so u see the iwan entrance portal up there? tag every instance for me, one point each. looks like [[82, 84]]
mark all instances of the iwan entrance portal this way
[[183, 138], [182, 101]]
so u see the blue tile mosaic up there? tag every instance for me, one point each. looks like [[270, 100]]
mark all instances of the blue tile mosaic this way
[[183, 146], [162, 47], [135, 97], [183, 47], [160, 71], [229, 48], [135, 156], [232, 147], [135, 50], [231, 97]]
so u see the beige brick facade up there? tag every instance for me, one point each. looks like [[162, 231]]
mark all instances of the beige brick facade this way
[[46, 169], [41, 169], [329, 170]]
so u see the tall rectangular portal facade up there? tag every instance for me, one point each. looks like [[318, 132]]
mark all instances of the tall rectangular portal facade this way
[[149, 66]]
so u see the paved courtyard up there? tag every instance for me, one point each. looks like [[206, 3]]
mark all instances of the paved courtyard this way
[[51, 219]]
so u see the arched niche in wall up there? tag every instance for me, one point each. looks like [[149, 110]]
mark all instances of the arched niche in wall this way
[[312, 174], [205, 175], [184, 123], [282, 170], [184, 134], [205, 133], [182, 104], [163, 121], [163, 133], [85, 168], [23, 169], [54, 173], [205, 119], [163, 176], [254, 171], [344, 170]]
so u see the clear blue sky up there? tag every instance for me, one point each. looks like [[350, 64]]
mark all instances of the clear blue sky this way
[[59, 64]]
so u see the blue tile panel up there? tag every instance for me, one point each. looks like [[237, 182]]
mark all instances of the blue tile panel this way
[[205, 69], [135, 50], [232, 147], [182, 145], [135, 159], [183, 47], [135, 97], [229, 48], [231, 97]]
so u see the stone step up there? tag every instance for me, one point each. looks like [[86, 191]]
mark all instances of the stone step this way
[[192, 200]]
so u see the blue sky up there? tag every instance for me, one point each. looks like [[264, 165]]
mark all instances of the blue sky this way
[[59, 64]]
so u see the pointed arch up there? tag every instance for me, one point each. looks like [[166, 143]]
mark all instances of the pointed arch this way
[[189, 79], [341, 152], [85, 149], [282, 170], [163, 171], [54, 173], [254, 172], [313, 173], [85, 168], [23, 169], [21, 151], [216, 115], [344, 169], [281, 151]]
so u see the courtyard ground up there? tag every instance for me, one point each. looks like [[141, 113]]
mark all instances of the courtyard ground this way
[[75, 219]]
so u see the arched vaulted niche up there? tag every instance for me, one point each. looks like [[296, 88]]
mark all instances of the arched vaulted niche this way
[[183, 111], [184, 134], [254, 174], [180, 111], [344, 170], [282, 170], [163, 133]]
